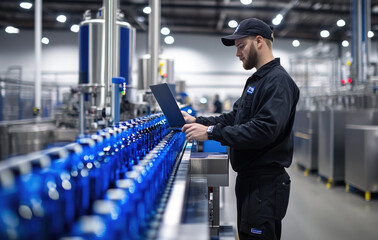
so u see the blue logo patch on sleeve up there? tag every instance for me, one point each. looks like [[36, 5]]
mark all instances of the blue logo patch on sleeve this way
[[250, 90], [256, 231]]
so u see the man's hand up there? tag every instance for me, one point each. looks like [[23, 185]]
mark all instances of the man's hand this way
[[195, 131], [188, 118]]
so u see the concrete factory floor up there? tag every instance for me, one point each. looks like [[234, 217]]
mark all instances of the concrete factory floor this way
[[315, 212]]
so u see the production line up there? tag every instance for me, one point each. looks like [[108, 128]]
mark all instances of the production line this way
[[119, 183], [75, 176], [106, 175]]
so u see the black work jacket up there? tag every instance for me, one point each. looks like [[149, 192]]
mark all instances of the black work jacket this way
[[259, 129]]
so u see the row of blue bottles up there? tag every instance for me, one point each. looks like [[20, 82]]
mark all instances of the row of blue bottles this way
[[52, 189], [115, 151], [40, 193], [127, 208]]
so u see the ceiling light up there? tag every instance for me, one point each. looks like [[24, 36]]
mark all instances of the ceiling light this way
[[45, 40], [317, 6], [12, 30], [169, 40], [203, 100], [275, 21], [75, 28], [370, 34], [165, 31], [232, 24], [279, 16], [324, 34], [278, 19], [296, 43], [246, 2], [26, 4], [61, 18], [141, 19], [147, 10], [375, 9], [340, 23], [345, 43]]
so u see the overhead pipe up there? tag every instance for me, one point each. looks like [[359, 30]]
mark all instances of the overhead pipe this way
[[154, 40], [360, 10], [110, 36], [38, 54]]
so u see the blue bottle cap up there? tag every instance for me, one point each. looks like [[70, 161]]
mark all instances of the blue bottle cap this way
[[116, 194], [91, 224], [106, 207], [133, 175]]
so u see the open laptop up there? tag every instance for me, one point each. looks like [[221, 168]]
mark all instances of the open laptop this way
[[168, 105]]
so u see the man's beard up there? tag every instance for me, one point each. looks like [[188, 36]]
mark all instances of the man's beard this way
[[251, 61]]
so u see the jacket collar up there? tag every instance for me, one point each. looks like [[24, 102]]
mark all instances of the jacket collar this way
[[267, 67]]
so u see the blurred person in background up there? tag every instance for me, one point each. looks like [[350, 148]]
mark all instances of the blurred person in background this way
[[217, 104]]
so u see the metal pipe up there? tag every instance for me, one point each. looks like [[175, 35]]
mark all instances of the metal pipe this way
[[360, 38], [82, 113], [368, 41], [109, 31], [38, 53], [360, 41], [154, 39]]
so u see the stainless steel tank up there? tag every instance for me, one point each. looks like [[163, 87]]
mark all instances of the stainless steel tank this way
[[30, 137], [92, 55], [166, 72]]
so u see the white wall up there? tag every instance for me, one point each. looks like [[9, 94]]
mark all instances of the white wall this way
[[203, 62], [61, 57], [208, 67]]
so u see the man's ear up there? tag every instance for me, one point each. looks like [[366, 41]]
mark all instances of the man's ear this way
[[259, 41]]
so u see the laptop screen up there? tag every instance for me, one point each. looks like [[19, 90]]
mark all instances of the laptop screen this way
[[168, 105]]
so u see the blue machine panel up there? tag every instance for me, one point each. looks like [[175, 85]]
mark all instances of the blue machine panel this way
[[124, 53], [84, 54], [214, 146]]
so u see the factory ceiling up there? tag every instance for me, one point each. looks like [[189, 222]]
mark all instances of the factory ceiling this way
[[302, 19]]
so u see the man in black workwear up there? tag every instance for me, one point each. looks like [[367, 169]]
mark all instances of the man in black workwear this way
[[258, 131]]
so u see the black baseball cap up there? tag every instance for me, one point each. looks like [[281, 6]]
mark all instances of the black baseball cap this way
[[249, 27]]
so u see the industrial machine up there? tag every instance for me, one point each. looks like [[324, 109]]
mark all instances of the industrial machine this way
[[25, 136], [361, 158], [94, 86], [306, 139], [332, 139], [335, 136]]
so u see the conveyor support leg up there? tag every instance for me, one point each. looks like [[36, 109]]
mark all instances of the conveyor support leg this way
[[367, 196], [329, 183]]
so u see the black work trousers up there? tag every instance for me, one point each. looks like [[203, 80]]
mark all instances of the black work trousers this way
[[262, 201]]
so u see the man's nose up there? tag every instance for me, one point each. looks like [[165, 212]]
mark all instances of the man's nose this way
[[237, 52]]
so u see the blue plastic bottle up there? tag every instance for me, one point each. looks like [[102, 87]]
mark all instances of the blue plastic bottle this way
[[132, 212]]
